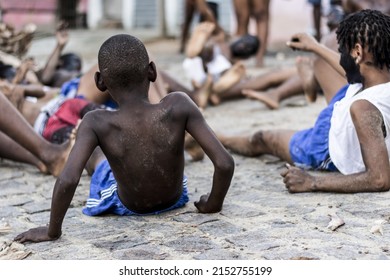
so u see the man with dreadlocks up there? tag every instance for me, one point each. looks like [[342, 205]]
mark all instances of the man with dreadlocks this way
[[352, 134]]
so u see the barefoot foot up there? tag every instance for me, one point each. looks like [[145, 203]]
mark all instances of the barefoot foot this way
[[199, 37], [229, 78], [59, 155]]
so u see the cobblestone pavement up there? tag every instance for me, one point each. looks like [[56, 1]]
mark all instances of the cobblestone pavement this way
[[259, 220]]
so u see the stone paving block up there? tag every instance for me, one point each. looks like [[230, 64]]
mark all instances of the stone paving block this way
[[141, 253], [191, 244]]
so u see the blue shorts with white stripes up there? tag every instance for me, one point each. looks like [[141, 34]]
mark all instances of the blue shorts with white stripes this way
[[104, 199]]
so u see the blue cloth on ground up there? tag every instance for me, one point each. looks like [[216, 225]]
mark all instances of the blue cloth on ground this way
[[104, 199], [70, 88], [309, 148]]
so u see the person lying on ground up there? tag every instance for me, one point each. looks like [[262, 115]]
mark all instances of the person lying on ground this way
[[211, 57]]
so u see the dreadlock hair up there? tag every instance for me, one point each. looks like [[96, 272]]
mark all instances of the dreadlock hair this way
[[123, 61], [370, 28]]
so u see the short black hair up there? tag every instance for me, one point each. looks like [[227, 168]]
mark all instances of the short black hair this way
[[70, 62], [123, 61], [245, 47], [370, 28], [7, 71]]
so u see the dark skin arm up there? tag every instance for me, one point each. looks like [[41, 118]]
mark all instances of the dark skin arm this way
[[222, 160], [65, 186], [368, 122], [62, 36]]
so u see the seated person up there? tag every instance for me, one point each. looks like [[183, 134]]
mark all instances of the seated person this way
[[351, 134], [142, 143]]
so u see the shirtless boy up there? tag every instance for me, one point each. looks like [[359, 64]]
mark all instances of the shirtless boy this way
[[352, 134], [142, 142]]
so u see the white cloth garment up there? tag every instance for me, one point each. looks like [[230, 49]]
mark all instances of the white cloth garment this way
[[344, 147]]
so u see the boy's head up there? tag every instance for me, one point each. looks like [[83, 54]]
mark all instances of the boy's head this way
[[123, 63], [371, 30], [245, 46], [70, 62], [7, 72]]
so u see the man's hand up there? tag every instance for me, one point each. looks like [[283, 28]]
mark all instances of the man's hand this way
[[39, 234], [62, 34], [303, 42], [203, 205], [297, 180]]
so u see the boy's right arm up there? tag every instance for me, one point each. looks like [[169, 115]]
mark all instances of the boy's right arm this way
[[65, 186], [222, 160]]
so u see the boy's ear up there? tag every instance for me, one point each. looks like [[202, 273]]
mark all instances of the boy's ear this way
[[99, 82], [152, 72]]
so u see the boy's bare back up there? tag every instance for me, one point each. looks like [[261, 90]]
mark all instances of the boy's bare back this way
[[144, 144]]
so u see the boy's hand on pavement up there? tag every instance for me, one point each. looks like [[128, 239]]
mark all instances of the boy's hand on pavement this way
[[203, 206], [39, 234]]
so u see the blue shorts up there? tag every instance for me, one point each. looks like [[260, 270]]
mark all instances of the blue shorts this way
[[314, 2], [104, 199], [309, 148]]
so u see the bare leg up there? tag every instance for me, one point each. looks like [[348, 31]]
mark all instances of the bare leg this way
[[229, 78], [13, 124], [328, 79], [199, 94], [306, 73], [261, 13], [14, 93], [189, 10], [241, 8], [9, 149], [260, 83], [317, 11], [273, 97], [270, 142], [199, 37]]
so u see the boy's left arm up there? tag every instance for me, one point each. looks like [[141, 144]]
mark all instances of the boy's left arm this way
[[222, 160], [369, 124]]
